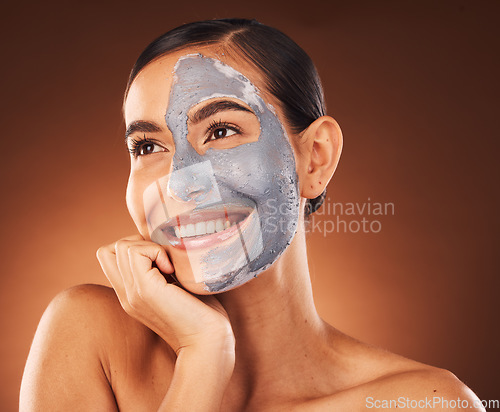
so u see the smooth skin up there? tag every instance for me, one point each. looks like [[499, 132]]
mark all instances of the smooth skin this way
[[148, 345]]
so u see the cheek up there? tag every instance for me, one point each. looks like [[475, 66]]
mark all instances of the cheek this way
[[143, 173], [240, 173], [135, 204]]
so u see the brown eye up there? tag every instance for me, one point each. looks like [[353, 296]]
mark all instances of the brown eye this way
[[221, 132], [147, 148], [144, 147]]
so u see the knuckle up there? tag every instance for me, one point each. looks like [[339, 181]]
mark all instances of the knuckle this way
[[133, 249], [103, 252], [134, 237], [121, 245], [99, 253]]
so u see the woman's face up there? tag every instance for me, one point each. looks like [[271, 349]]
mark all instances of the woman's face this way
[[213, 176]]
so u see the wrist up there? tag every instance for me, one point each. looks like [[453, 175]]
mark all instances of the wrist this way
[[215, 339], [212, 351], [202, 373]]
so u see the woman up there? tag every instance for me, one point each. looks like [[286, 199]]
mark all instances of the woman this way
[[211, 306]]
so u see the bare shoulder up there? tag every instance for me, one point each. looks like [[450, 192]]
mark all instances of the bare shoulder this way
[[386, 381], [78, 350], [405, 383], [65, 355], [426, 387], [87, 313], [85, 301]]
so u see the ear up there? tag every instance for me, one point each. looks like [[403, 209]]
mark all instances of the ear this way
[[321, 149]]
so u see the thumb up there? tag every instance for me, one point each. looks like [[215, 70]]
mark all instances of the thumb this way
[[163, 262]]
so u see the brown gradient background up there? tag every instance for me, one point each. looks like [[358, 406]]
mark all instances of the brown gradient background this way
[[414, 88]]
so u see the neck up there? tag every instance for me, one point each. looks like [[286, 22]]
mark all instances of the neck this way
[[275, 322]]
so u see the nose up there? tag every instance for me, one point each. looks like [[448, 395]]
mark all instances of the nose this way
[[189, 184]]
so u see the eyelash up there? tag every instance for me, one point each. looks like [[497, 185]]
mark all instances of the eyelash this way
[[136, 144], [219, 124]]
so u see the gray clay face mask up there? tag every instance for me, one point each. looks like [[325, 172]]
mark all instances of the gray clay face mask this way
[[232, 211]]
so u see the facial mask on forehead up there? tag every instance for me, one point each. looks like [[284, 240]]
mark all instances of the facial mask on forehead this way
[[229, 212]]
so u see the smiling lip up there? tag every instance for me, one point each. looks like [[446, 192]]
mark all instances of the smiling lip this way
[[206, 228]]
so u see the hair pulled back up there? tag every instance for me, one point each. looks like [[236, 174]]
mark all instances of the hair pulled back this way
[[288, 72]]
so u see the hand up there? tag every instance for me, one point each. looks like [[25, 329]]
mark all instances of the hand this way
[[177, 316]]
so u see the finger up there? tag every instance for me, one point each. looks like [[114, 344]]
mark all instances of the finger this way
[[134, 237], [107, 259], [155, 253], [141, 258], [164, 263], [149, 253], [122, 260], [107, 256], [152, 252], [149, 281]]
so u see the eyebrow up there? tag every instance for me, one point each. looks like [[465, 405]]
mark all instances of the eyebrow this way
[[141, 126], [216, 107]]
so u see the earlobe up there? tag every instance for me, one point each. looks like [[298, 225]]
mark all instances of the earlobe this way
[[323, 139]]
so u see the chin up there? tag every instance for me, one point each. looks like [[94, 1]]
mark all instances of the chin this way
[[219, 281]]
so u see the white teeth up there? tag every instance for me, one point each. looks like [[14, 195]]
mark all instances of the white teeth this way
[[219, 225], [200, 228], [211, 226], [190, 230]]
